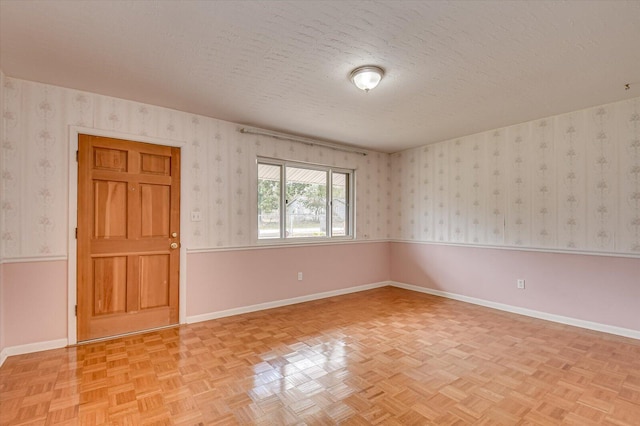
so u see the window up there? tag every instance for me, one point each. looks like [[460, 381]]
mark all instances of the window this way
[[303, 201]]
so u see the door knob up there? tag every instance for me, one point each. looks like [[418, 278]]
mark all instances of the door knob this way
[[174, 235], [174, 246]]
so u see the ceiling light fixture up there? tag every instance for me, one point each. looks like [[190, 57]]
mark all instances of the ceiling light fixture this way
[[367, 77]]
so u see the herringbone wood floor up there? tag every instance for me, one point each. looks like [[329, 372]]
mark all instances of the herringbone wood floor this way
[[386, 356]]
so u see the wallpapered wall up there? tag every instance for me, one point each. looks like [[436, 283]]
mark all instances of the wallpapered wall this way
[[220, 171], [566, 182]]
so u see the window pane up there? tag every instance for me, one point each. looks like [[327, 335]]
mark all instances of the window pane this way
[[339, 210], [306, 203], [268, 201]]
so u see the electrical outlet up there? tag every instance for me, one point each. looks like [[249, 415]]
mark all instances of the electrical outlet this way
[[299, 276], [520, 284]]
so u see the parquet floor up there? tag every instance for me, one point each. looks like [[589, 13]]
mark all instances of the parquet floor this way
[[385, 356]]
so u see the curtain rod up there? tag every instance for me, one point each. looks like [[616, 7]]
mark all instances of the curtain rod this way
[[307, 141]]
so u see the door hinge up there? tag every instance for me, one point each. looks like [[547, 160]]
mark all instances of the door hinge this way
[[76, 233], [76, 310]]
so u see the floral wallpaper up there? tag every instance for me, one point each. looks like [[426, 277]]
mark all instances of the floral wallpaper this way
[[570, 182], [220, 171]]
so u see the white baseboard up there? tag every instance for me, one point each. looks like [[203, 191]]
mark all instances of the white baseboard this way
[[61, 343], [31, 347], [620, 331], [278, 303]]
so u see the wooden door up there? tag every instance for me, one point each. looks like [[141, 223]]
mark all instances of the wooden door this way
[[128, 236]]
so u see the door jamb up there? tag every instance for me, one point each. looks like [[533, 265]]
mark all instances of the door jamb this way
[[72, 252]]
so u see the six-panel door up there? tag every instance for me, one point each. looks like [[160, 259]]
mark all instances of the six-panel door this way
[[128, 236]]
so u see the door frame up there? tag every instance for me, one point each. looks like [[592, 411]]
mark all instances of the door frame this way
[[72, 251]]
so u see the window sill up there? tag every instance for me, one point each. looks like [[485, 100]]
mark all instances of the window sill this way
[[301, 241]]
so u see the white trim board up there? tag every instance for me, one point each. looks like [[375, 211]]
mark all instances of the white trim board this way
[[619, 331], [521, 248], [284, 302], [33, 259], [263, 246], [30, 348]]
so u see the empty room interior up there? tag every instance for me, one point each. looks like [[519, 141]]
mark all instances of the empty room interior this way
[[318, 212]]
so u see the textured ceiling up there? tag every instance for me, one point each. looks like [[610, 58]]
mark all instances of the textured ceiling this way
[[453, 67]]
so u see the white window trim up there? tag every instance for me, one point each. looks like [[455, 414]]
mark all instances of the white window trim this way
[[351, 205]]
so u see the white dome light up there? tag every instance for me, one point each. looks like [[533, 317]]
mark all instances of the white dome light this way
[[367, 77]]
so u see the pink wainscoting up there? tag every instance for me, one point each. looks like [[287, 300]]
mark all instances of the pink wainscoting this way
[[223, 280], [601, 289], [34, 302]]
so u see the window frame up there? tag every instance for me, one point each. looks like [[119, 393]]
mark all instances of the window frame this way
[[330, 170]]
